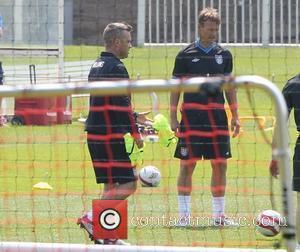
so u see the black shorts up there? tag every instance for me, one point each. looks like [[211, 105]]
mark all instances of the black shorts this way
[[200, 140], [296, 166], [111, 162]]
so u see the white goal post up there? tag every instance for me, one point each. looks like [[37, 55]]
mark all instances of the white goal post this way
[[54, 247], [188, 85]]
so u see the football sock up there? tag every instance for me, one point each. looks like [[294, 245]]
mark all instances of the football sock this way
[[90, 215], [184, 205], [218, 206]]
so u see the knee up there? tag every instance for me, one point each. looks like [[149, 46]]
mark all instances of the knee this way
[[134, 186], [186, 169], [130, 188], [185, 173]]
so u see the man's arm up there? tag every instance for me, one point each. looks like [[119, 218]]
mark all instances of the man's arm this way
[[141, 118], [173, 110], [1, 26], [232, 101], [273, 167], [178, 72]]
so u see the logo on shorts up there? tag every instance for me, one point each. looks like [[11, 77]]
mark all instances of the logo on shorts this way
[[219, 59], [184, 151]]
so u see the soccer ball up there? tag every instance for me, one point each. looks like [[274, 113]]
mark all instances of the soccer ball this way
[[268, 223], [149, 176]]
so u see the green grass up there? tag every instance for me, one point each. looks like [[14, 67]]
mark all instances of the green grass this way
[[279, 64], [58, 155]]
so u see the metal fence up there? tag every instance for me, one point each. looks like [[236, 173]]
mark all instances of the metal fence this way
[[158, 21], [243, 21], [30, 22]]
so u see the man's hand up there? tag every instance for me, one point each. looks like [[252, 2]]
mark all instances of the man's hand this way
[[143, 119], [174, 125], [235, 126], [139, 141], [274, 170]]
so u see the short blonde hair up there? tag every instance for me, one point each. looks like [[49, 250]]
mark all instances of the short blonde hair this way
[[210, 14], [114, 31]]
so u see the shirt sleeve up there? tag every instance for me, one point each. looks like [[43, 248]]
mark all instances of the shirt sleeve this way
[[120, 72], [229, 65], [287, 96], [180, 69], [1, 21]]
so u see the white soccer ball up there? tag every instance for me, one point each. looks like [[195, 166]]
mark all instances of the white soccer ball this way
[[268, 223], [149, 176]]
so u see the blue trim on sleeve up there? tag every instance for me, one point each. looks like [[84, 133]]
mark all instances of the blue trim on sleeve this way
[[1, 21]]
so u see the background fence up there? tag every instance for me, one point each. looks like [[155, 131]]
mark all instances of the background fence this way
[[243, 21], [155, 21]]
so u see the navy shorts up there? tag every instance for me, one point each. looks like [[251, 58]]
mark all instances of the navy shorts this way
[[111, 162], [199, 139], [296, 166]]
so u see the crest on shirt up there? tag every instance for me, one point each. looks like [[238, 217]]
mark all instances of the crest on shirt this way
[[219, 59]]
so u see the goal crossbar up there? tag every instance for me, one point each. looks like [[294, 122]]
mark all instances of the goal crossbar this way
[[138, 86]]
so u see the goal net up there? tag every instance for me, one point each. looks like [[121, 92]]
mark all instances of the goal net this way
[[48, 182], [46, 174]]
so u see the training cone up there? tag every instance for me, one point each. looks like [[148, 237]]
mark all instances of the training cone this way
[[42, 186]]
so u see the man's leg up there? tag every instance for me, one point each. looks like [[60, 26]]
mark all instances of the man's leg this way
[[218, 186], [1, 74], [118, 191], [110, 192], [184, 187], [298, 218], [2, 118], [296, 187]]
